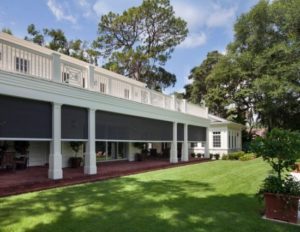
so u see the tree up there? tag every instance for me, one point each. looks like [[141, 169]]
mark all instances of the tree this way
[[56, 40], [280, 148], [138, 42], [260, 75], [198, 89], [35, 35], [7, 30]]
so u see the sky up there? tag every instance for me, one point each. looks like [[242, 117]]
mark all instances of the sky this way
[[210, 24]]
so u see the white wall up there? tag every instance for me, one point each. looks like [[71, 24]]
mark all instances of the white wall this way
[[67, 152], [38, 153]]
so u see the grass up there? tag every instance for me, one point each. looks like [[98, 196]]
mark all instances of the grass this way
[[216, 196]]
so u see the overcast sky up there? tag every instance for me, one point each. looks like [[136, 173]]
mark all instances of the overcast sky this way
[[210, 24]]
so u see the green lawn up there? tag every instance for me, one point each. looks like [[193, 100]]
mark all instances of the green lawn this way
[[215, 196]]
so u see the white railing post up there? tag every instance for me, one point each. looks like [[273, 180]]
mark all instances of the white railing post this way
[[56, 67], [173, 102], [91, 77], [109, 87], [150, 97], [184, 105]]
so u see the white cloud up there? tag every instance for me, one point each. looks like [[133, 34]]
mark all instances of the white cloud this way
[[220, 16], [194, 40], [204, 13], [100, 8], [60, 12], [191, 14]]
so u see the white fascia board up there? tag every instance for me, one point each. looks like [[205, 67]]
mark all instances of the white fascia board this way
[[34, 88]]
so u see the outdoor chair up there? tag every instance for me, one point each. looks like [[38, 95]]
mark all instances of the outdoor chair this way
[[21, 163], [8, 160]]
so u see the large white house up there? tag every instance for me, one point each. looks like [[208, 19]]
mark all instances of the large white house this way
[[50, 99]]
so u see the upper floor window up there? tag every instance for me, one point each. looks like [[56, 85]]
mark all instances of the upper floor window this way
[[102, 87], [126, 93], [22, 65], [216, 139]]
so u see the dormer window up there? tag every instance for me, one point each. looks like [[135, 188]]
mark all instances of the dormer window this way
[[22, 65]]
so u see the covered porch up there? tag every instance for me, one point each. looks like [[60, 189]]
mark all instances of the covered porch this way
[[36, 178]]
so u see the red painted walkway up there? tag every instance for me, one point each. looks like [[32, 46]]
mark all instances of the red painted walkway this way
[[35, 178]]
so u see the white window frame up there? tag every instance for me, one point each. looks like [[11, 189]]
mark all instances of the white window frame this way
[[21, 64], [217, 139], [102, 87], [126, 93]]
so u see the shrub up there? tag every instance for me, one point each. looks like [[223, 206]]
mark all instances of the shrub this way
[[248, 156], [225, 157], [273, 184], [217, 156], [236, 155], [193, 155]]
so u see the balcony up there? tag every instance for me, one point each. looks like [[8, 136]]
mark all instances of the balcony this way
[[28, 59]]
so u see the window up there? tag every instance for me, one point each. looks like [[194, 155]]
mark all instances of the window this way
[[102, 87], [22, 65], [229, 144], [203, 144], [193, 145], [126, 93], [216, 139], [66, 77]]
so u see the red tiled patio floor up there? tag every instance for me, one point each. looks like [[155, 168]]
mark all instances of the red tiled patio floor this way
[[35, 178]]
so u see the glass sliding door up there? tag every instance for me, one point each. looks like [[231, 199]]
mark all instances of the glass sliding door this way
[[106, 151]]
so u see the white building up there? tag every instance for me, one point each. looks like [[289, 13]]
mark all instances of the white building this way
[[50, 99]]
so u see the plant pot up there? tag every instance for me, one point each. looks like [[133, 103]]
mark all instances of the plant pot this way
[[75, 162], [281, 207]]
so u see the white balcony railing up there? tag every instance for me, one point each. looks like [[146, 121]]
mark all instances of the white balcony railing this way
[[26, 58]]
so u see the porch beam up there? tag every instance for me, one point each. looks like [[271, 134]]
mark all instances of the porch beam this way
[[90, 166], [55, 159]]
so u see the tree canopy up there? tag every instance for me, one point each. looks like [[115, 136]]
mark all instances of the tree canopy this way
[[138, 42], [56, 40], [260, 73]]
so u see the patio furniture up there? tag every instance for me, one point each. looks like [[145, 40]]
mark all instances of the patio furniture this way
[[8, 160], [21, 162]]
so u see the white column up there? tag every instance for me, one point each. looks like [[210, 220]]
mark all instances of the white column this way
[[173, 153], [207, 143], [90, 167], [185, 145], [55, 159], [56, 68]]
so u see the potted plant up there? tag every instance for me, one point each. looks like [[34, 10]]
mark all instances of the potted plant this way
[[281, 193], [217, 156], [75, 161], [21, 147]]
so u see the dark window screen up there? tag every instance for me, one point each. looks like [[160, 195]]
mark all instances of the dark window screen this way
[[74, 122], [114, 126], [24, 118], [180, 131], [196, 133]]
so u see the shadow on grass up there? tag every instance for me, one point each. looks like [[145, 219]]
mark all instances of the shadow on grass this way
[[129, 204]]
